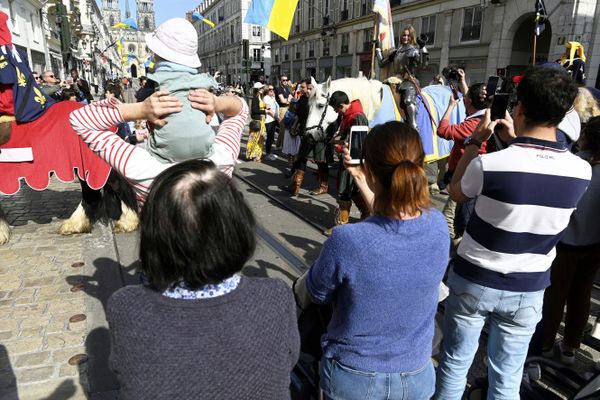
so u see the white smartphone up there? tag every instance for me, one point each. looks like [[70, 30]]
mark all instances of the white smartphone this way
[[358, 134]]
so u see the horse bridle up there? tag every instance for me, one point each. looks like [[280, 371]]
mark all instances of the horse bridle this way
[[320, 126]]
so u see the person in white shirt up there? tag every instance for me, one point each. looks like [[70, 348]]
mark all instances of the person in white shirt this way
[[272, 119]]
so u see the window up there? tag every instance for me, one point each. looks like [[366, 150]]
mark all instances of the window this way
[[256, 54], [326, 43], [471, 28], [345, 41], [297, 51], [397, 33], [111, 20], [256, 31], [276, 55], [368, 39], [286, 54], [310, 49], [131, 48], [363, 7], [232, 30], [146, 23], [428, 28]]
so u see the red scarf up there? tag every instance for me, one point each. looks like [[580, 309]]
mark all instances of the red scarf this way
[[350, 115]]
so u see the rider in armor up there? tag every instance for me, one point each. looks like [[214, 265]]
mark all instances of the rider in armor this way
[[411, 54]]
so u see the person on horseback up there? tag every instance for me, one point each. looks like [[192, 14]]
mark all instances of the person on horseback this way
[[411, 54]]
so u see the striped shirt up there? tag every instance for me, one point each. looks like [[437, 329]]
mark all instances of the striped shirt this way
[[93, 123], [525, 196]]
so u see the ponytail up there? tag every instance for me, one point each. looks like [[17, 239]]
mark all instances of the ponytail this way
[[394, 156]]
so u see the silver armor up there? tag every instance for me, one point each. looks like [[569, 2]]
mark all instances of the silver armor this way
[[406, 60]]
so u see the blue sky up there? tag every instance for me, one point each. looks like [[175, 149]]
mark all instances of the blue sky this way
[[164, 9]]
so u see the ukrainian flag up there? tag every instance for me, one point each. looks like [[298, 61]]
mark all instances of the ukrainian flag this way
[[129, 23], [276, 15], [196, 16]]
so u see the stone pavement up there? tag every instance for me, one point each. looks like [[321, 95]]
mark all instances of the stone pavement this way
[[39, 307]]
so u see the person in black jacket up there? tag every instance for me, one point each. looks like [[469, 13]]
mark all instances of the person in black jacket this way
[[82, 85]]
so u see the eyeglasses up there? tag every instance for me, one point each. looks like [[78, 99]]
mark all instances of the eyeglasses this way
[[284, 80]]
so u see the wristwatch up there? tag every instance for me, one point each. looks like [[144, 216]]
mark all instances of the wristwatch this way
[[473, 141]]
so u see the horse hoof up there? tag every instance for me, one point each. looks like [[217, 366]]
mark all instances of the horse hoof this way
[[78, 222], [128, 222], [4, 232]]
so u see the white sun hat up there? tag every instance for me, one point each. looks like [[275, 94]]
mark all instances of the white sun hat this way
[[175, 40], [258, 85]]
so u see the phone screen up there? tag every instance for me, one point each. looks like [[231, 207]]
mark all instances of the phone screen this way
[[499, 105], [492, 85], [358, 134]]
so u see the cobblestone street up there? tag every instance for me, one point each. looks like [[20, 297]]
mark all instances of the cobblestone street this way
[[40, 330]]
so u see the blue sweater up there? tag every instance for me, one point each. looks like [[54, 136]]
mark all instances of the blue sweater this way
[[383, 275]]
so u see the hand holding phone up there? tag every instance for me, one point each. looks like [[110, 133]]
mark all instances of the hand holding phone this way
[[358, 134], [492, 86], [499, 105]]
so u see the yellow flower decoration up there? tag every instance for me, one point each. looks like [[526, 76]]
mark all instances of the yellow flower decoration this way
[[39, 97], [21, 77]]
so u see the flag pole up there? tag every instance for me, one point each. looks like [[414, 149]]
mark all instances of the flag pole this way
[[534, 48], [375, 34]]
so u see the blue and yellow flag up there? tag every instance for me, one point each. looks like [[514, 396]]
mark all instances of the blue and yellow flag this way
[[196, 16], [275, 15], [129, 23]]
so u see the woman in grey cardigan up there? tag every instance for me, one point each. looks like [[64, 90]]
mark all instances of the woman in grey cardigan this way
[[198, 329]]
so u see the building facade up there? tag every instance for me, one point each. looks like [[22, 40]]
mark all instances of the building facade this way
[[60, 34], [334, 37], [135, 53], [27, 30], [222, 48]]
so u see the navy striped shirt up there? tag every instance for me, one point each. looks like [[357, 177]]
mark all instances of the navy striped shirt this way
[[525, 196]]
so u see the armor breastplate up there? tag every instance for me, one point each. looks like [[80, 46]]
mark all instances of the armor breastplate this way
[[406, 59]]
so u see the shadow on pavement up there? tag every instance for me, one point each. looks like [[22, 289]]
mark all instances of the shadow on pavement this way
[[261, 269], [108, 277], [8, 380]]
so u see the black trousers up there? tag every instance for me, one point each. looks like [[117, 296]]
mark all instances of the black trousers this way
[[270, 136]]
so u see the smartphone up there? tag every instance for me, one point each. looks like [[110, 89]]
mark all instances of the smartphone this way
[[358, 134], [499, 105], [492, 85]]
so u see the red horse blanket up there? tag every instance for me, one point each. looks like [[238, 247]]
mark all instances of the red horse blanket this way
[[56, 148]]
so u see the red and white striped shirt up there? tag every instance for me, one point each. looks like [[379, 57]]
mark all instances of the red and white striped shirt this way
[[92, 124]]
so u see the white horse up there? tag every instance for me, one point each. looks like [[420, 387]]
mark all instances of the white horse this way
[[379, 106]]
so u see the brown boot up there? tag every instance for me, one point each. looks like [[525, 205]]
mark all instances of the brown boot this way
[[365, 210], [296, 183], [322, 189], [342, 215]]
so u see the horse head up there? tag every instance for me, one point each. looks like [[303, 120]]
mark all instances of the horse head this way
[[320, 113]]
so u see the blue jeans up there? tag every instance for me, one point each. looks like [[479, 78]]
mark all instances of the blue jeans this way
[[340, 382], [512, 319]]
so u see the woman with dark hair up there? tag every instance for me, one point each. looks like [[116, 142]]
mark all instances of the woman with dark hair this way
[[577, 260], [383, 274], [198, 329]]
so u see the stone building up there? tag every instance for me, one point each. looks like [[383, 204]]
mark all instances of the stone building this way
[[134, 42], [27, 30], [222, 48], [334, 37]]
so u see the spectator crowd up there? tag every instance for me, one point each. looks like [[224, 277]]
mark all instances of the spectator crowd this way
[[518, 238]]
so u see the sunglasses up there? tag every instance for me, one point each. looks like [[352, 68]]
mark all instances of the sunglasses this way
[[284, 80], [271, 88]]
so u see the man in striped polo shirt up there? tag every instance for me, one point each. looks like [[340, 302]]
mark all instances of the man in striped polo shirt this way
[[524, 195]]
